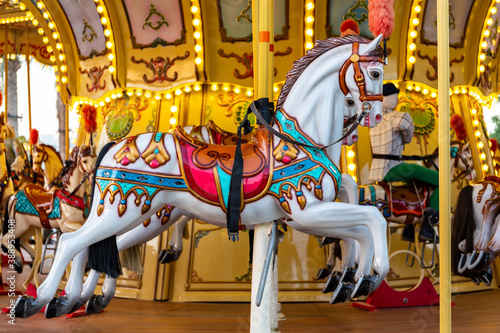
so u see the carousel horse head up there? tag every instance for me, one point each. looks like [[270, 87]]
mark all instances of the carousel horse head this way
[[461, 156], [52, 162], [82, 159], [86, 159], [332, 69]]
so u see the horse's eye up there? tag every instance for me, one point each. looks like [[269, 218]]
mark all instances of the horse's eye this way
[[374, 74], [349, 102]]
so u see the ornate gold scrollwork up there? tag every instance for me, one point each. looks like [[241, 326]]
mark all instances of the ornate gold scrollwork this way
[[159, 22], [88, 36]]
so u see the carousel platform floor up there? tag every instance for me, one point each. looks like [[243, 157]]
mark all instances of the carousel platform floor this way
[[472, 312]]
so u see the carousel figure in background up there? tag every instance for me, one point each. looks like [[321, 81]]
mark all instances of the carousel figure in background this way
[[388, 139], [495, 157], [15, 155]]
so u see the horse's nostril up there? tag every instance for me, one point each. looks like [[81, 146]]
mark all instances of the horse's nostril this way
[[354, 138], [378, 118]]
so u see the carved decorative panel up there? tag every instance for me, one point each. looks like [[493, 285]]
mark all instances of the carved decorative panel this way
[[154, 23], [459, 11], [235, 20], [87, 28]]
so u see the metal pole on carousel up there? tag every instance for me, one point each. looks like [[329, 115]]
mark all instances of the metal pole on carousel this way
[[28, 74], [444, 166], [6, 70], [263, 317]]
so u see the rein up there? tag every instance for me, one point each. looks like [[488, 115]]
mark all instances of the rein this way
[[427, 159], [61, 174], [234, 199], [85, 177], [354, 120]]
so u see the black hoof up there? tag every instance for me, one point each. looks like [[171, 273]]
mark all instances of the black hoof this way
[[349, 275], [168, 256], [96, 304], [25, 306], [332, 282], [51, 309], [56, 307], [365, 286], [486, 276], [327, 241], [18, 268], [77, 306], [342, 293], [322, 273], [479, 261]]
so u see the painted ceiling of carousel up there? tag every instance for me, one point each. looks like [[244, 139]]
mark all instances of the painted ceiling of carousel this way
[[99, 45]]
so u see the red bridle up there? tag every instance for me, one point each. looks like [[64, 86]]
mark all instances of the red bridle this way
[[355, 59]]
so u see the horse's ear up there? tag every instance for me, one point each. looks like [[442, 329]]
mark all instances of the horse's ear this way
[[374, 44]]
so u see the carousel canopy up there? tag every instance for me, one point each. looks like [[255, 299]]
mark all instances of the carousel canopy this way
[[98, 46]]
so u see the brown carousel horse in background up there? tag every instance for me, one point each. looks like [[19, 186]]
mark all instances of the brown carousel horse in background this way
[[48, 165], [58, 208]]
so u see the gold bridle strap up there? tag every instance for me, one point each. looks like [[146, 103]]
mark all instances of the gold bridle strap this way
[[355, 59]]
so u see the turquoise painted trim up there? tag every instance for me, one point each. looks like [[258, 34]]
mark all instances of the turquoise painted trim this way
[[372, 193], [289, 127], [144, 179], [24, 206], [225, 184]]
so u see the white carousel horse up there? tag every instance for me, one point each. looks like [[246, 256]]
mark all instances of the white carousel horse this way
[[160, 168], [475, 221], [63, 209], [168, 216]]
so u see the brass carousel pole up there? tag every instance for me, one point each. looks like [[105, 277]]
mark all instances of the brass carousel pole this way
[[263, 317], [6, 70], [28, 74], [444, 166]]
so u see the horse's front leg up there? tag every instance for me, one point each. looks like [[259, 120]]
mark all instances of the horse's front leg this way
[[329, 218], [62, 304]]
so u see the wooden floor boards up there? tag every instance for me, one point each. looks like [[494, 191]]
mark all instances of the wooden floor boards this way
[[473, 312]]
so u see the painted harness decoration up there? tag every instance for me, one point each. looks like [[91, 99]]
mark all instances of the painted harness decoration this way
[[206, 169]]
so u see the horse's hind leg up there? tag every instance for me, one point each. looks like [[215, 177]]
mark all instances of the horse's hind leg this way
[[99, 302], [138, 235], [70, 245], [62, 304], [175, 244]]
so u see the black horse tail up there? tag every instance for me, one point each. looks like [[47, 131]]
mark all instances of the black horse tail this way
[[462, 226], [103, 255], [5, 221]]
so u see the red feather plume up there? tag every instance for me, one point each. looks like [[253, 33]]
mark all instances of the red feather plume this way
[[493, 145], [458, 125], [349, 27], [1, 99], [33, 136], [89, 113], [381, 17]]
